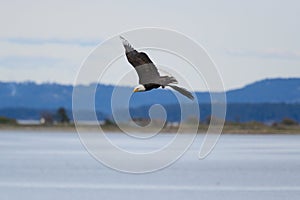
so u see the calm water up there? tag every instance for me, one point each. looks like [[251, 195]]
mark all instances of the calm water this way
[[56, 166]]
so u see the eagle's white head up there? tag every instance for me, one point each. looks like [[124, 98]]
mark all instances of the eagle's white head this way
[[139, 88]]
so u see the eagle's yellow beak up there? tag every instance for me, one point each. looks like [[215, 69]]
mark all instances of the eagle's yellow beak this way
[[136, 90]]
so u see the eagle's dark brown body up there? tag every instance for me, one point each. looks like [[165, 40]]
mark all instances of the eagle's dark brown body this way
[[149, 76]]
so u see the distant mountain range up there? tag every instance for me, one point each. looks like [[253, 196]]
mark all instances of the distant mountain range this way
[[267, 91], [29, 95]]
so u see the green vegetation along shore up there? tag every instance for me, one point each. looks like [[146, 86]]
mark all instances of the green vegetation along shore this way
[[233, 128]]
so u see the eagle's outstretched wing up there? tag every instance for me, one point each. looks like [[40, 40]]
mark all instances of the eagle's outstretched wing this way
[[144, 67], [148, 72]]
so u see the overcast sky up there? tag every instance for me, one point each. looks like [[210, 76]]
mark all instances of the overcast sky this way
[[46, 41]]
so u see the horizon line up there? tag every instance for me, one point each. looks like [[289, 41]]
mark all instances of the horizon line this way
[[128, 86]]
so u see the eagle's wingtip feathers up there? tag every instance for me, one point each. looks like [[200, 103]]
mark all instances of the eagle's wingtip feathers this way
[[126, 44], [121, 37]]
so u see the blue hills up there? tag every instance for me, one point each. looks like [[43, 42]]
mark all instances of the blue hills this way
[[267, 91], [50, 96]]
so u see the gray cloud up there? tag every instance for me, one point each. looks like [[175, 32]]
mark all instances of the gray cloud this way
[[28, 61], [42, 41], [265, 54]]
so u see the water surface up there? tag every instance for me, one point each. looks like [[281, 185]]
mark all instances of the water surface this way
[[53, 165]]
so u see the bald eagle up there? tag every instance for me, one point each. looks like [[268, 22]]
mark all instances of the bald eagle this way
[[149, 77]]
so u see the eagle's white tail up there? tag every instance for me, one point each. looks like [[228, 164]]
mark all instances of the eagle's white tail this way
[[182, 91]]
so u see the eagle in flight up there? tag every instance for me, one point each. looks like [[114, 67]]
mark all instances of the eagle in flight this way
[[149, 77]]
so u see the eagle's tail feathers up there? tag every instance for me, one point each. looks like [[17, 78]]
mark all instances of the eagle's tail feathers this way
[[182, 91]]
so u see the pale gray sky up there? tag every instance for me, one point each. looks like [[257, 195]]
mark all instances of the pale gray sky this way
[[46, 41]]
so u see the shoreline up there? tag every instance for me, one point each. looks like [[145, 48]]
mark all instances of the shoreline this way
[[227, 129]]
